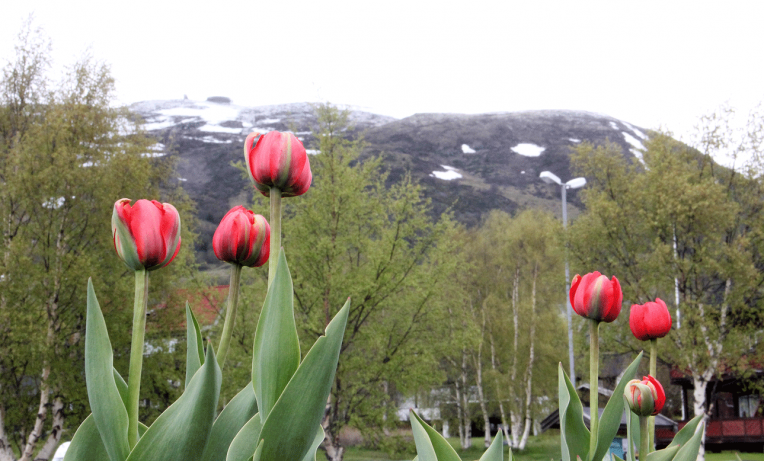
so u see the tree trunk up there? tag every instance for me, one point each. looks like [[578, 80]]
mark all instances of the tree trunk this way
[[334, 449], [699, 407], [479, 381], [6, 452], [465, 430], [515, 417], [494, 365], [529, 369], [42, 413], [47, 451]]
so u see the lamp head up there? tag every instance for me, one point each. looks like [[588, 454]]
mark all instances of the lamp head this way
[[550, 178]]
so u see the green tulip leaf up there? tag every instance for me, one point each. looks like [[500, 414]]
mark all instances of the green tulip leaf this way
[[109, 413], [442, 450], [667, 454], [496, 451], [276, 353], [574, 436], [230, 421], [617, 458], [689, 451], [311, 454], [424, 449], [181, 432], [611, 415], [194, 346], [246, 442], [258, 452], [632, 433], [86, 444], [290, 428], [686, 432]]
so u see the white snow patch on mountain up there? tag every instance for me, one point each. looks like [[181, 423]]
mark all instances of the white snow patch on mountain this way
[[528, 150], [182, 179], [209, 140], [636, 143], [312, 151], [153, 154], [219, 129], [635, 131], [269, 120], [467, 149], [160, 124], [522, 172], [209, 112], [614, 126], [447, 175], [575, 140]]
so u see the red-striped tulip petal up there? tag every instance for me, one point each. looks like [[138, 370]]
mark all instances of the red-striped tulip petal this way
[[242, 237], [146, 235]]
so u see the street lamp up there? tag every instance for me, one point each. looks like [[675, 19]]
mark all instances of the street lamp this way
[[550, 178]]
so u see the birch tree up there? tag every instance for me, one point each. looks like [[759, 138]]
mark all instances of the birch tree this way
[[679, 222]]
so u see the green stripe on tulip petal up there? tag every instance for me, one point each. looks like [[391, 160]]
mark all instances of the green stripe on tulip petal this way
[[126, 248], [109, 413], [289, 429], [181, 432], [276, 353], [233, 417], [245, 443]]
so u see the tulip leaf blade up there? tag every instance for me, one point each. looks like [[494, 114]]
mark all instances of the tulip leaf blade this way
[[574, 434], [246, 441], [194, 345], [689, 451], [289, 429], [319, 438], [666, 454], [109, 412], [181, 432], [276, 353], [441, 449], [424, 449], [86, 444], [611, 415], [686, 433], [230, 421], [496, 451]]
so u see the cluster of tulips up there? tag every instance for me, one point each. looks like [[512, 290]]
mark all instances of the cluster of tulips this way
[[277, 415]]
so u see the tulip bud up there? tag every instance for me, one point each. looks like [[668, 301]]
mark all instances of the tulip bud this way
[[278, 160], [243, 238], [645, 397], [595, 297], [146, 235], [650, 320]]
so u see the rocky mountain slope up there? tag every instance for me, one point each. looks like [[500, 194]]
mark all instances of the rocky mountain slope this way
[[468, 163]]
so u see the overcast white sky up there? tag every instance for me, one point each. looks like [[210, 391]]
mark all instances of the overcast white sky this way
[[651, 64]]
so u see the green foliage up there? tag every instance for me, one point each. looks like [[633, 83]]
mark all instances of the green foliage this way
[[65, 156], [354, 235]]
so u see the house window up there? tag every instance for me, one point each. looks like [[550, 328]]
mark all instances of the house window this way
[[748, 406]]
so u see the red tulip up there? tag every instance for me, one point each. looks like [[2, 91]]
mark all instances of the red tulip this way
[[650, 320], [646, 397], [595, 297], [278, 160], [242, 237], [146, 235]]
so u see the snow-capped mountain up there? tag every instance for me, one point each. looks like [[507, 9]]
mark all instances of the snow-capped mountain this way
[[468, 163]]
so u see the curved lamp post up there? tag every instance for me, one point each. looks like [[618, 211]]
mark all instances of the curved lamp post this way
[[576, 183]]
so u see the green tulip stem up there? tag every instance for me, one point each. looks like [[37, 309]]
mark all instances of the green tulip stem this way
[[644, 438], [230, 313], [275, 224], [653, 372], [594, 366], [136, 354]]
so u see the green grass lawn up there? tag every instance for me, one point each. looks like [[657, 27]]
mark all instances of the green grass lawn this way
[[545, 447]]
